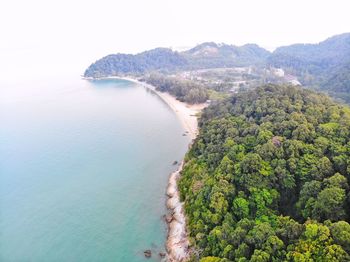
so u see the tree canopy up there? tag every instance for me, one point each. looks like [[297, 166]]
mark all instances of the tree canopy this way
[[267, 179]]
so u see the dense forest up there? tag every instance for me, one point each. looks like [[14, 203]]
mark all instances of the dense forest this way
[[267, 179], [184, 90]]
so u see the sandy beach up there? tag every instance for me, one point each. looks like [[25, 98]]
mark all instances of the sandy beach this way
[[186, 113]]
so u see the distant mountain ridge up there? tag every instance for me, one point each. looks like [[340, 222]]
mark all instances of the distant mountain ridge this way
[[331, 51], [324, 66], [210, 55], [206, 55]]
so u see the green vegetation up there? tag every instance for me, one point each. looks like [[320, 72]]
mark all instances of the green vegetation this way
[[184, 90], [267, 179]]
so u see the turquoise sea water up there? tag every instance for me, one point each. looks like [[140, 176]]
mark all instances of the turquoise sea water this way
[[83, 170]]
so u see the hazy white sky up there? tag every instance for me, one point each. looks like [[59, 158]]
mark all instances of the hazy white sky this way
[[70, 34]]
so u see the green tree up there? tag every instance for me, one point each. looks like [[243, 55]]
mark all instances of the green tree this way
[[330, 204], [341, 234]]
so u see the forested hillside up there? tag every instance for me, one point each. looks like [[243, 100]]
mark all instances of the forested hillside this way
[[206, 55], [153, 60], [324, 66], [338, 82], [268, 177], [212, 55]]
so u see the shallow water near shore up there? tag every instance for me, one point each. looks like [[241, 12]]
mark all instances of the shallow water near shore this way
[[84, 167]]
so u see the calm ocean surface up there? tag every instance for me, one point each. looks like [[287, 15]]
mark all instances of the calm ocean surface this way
[[83, 170]]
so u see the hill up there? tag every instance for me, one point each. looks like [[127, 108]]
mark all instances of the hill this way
[[153, 60], [324, 66], [212, 55], [268, 177], [206, 55]]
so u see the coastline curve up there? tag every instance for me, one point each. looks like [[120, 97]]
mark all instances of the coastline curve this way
[[177, 244]]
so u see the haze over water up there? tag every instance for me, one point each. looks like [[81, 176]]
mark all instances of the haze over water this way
[[84, 167]]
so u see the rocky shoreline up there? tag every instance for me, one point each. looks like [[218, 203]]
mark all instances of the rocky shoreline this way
[[177, 243]]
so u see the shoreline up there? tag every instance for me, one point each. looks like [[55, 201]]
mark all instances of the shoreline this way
[[177, 243], [186, 113]]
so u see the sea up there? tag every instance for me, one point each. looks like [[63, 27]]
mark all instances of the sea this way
[[84, 166]]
